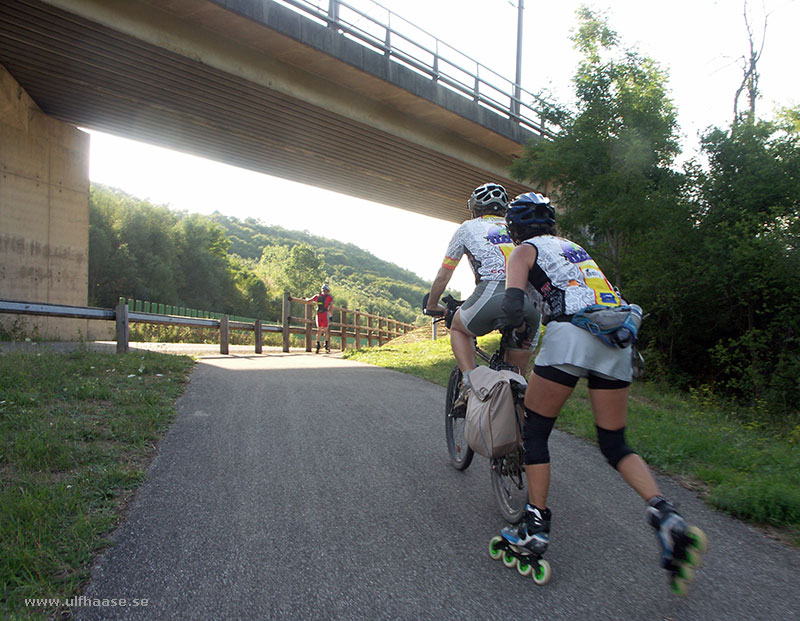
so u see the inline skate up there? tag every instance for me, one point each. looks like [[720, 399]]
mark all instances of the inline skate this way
[[523, 544], [682, 545]]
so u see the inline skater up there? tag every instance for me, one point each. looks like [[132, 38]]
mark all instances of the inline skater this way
[[568, 281], [324, 299], [485, 241]]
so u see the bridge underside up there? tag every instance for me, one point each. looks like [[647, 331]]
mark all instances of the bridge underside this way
[[241, 97]]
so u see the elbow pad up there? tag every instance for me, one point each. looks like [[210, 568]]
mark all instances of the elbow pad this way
[[513, 306]]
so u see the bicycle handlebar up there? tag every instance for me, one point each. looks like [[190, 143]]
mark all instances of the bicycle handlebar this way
[[447, 316]]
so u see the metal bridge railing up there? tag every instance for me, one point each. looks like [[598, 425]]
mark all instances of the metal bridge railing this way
[[431, 57]]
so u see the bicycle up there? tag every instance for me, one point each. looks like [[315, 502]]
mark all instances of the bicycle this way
[[507, 472]]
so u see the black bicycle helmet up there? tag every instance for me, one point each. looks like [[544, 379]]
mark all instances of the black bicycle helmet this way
[[488, 198], [530, 214]]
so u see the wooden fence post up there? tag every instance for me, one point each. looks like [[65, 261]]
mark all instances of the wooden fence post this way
[[380, 332], [122, 327], [286, 317], [369, 331], [223, 335], [309, 328], [343, 319], [258, 333], [357, 329]]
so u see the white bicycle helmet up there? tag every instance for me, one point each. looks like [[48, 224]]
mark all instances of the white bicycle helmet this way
[[488, 198]]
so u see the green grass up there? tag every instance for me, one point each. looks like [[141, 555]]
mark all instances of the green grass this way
[[739, 467], [76, 434]]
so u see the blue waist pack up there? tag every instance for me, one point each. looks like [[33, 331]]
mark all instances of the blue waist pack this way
[[616, 326]]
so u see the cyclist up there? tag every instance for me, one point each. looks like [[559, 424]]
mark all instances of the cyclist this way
[[485, 241], [568, 280], [324, 299]]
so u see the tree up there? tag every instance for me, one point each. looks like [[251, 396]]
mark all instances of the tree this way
[[610, 163]]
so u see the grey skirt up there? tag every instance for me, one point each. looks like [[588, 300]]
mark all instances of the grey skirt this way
[[581, 352]]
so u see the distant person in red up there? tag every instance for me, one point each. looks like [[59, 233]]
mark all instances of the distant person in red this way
[[324, 299]]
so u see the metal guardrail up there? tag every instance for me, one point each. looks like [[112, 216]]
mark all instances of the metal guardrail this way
[[122, 316], [434, 58]]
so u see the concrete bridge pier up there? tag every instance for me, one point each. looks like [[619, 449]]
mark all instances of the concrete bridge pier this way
[[44, 213]]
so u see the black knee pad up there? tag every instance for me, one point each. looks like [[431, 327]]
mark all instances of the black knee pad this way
[[536, 431], [612, 445]]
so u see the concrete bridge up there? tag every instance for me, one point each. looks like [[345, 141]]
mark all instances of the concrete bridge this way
[[331, 98]]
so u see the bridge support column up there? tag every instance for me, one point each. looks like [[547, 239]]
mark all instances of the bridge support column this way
[[44, 214]]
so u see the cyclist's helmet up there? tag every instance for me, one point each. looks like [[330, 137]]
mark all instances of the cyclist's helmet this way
[[325, 288], [488, 198], [528, 215]]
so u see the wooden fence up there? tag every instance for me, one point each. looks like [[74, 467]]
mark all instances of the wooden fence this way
[[362, 326], [377, 329]]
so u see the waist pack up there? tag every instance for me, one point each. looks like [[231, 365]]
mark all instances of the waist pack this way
[[616, 326], [492, 428]]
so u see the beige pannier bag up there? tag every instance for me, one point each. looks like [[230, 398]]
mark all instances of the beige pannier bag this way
[[491, 427]]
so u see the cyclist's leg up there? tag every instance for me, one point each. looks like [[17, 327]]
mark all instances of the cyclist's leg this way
[[462, 342], [610, 408]]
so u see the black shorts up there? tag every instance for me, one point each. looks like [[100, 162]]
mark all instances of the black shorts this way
[[596, 382]]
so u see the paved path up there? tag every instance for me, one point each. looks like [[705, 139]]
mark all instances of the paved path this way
[[310, 487]]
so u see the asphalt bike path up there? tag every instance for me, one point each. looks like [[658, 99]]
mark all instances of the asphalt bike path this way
[[302, 486]]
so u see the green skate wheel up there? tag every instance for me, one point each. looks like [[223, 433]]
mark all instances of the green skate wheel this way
[[685, 573], [524, 568], [509, 560], [678, 586], [699, 539], [542, 573], [495, 551], [693, 559]]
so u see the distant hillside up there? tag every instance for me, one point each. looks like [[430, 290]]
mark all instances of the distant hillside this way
[[358, 278], [219, 263]]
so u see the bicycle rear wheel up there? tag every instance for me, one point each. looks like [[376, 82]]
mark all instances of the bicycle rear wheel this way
[[460, 453], [508, 483]]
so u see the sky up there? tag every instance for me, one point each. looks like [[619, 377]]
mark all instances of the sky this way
[[700, 43]]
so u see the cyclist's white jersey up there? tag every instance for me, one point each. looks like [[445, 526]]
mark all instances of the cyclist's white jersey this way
[[487, 244], [567, 278]]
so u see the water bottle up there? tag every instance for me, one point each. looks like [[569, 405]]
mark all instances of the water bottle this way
[[627, 332]]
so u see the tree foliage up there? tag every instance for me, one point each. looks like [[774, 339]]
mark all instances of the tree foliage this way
[[610, 163], [710, 252]]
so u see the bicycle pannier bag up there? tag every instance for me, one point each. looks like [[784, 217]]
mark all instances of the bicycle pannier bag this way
[[491, 427]]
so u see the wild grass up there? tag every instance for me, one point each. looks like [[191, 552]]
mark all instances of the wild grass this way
[[735, 463], [76, 433]]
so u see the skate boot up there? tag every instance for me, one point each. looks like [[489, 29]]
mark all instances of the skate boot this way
[[327, 348], [522, 545], [316, 352], [682, 545]]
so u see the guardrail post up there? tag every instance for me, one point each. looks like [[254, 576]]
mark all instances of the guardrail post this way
[[333, 13], [258, 335], [223, 335], [122, 327], [286, 318], [309, 326]]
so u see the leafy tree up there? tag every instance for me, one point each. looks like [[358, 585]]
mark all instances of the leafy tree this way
[[610, 163]]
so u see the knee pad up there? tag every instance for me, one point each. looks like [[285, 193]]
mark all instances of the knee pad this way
[[612, 445], [535, 432]]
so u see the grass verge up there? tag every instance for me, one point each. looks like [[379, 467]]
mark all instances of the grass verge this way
[[77, 432], [739, 467]]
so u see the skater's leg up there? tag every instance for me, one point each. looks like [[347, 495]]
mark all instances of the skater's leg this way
[[610, 409], [544, 398]]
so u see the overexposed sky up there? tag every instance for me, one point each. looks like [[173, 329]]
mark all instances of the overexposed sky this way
[[699, 42]]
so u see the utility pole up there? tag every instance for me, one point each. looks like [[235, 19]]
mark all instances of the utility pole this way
[[517, 92]]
